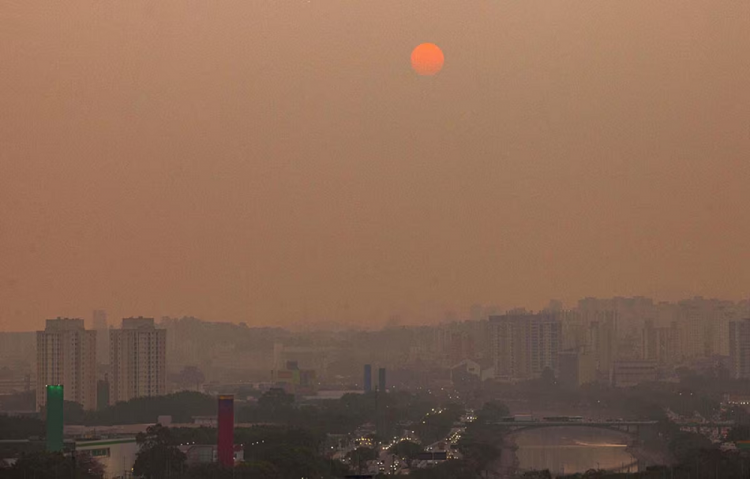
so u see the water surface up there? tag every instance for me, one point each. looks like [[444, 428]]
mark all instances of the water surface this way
[[573, 449]]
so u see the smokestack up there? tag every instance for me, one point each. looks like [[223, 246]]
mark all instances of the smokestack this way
[[55, 418], [226, 431], [381, 379], [368, 378]]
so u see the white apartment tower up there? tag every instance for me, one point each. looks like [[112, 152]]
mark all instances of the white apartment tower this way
[[66, 354], [524, 345], [138, 354]]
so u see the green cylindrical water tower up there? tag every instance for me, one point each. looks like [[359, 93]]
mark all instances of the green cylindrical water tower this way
[[55, 418]]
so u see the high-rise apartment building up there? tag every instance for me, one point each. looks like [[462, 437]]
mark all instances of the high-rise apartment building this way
[[739, 348], [461, 347], [603, 340], [102, 330], [629, 312], [577, 367], [660, 345], [524, 344], [479, 331], [574, 333], [138, 354], [66, 355], [704, 326]]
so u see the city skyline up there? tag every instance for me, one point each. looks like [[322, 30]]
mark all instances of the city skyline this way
[[475, 311]]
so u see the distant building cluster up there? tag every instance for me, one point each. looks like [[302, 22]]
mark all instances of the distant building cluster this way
[[616, 341], [622, 341]]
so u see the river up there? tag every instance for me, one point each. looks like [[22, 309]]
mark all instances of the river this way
[[570, 450]]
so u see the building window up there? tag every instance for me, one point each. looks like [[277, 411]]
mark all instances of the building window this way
[[100, 452]]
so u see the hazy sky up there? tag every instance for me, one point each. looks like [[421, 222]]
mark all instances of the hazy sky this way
[[269, 161]]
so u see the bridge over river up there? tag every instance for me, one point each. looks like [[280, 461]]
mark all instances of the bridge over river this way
[[578, 444], [624, 426], [628, 426]]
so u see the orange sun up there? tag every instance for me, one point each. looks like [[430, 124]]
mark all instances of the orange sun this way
[[427, 59]]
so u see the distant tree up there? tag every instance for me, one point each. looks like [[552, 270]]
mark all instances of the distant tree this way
[[23, 401], [88, 466], [434, 427], [102, 395], [739, 433], [43, 464], [335, 468], [646, 410], [211, 471], [454, 469], [20, 427], [406, 449], [157, 457], [273, 452], [359, 457], [73, 412], [363, 454], [198, 435], [295, 461], [479, 454], [257, 470], [684, 445], [275, 399], [276, 405], [740, 416], [182, 406], [492, 411]]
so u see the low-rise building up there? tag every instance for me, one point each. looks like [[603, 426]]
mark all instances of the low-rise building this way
[[633, 372], [481, 370], [117, 455], [295, 380], [207, 453]]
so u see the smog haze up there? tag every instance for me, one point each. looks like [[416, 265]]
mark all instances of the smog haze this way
[[276, 162]]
